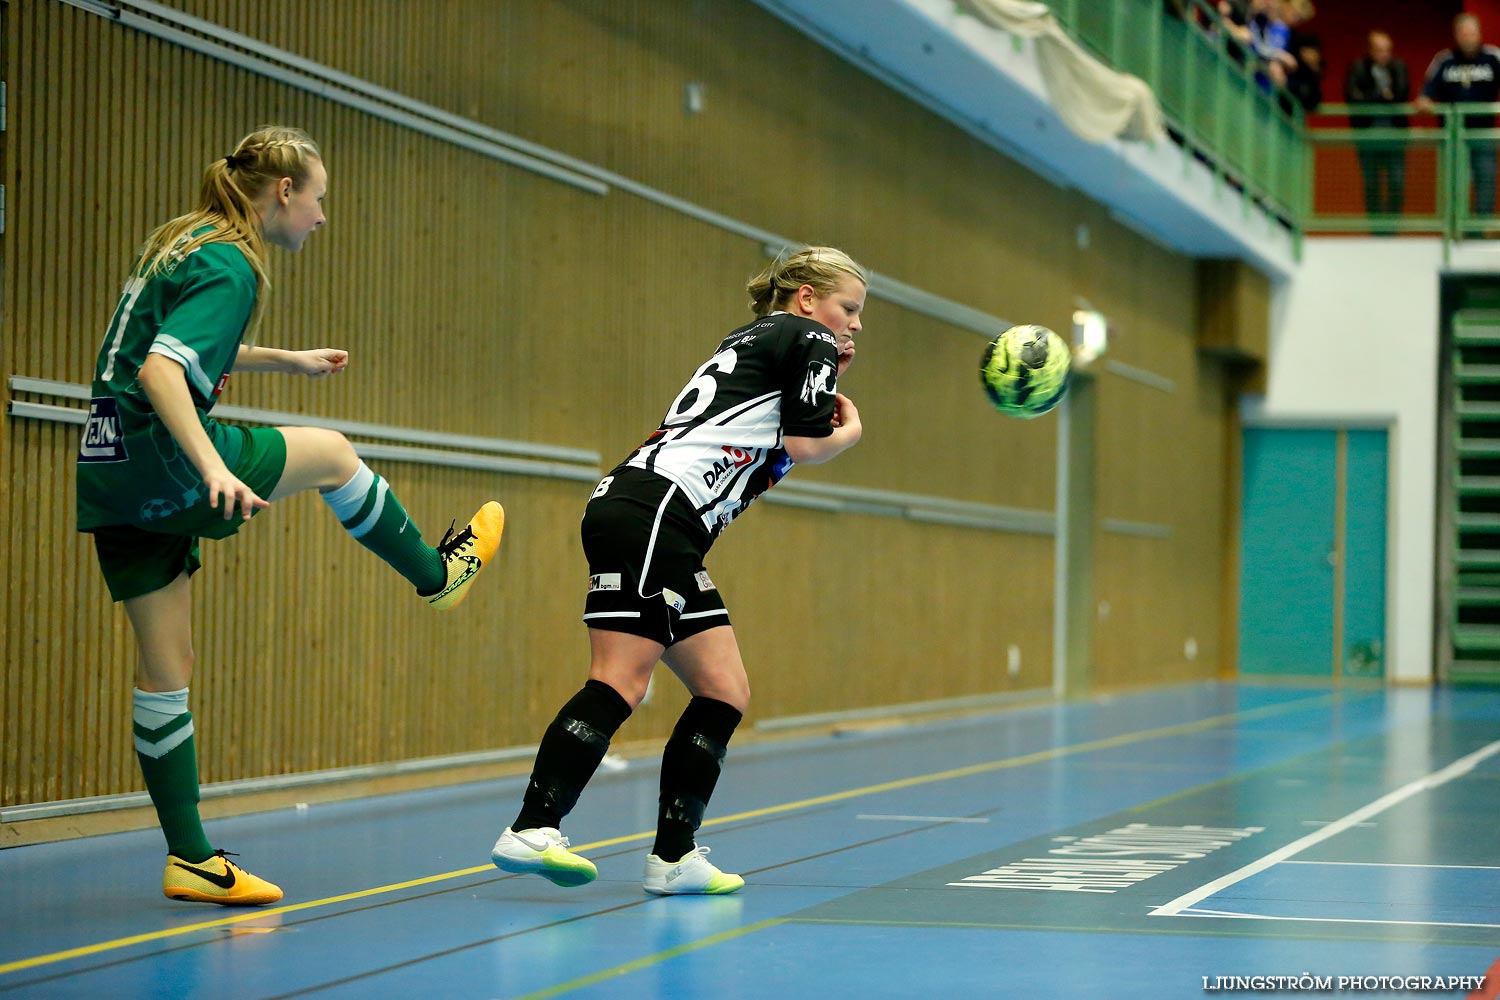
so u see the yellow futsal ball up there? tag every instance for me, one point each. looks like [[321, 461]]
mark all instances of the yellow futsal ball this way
[[1025, 370]]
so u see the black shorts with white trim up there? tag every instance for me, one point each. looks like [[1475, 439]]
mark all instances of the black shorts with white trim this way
[[645, 546]]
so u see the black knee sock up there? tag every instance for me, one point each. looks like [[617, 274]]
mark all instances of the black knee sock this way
[[570, 752], [689, 770]]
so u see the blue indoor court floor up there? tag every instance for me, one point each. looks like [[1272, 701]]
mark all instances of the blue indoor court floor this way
[[1139, 846]]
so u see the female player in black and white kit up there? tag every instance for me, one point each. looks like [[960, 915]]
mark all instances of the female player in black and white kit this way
[[766, 399]]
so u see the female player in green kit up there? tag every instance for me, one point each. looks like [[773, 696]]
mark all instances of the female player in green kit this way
[[765, 400], [156, 472]]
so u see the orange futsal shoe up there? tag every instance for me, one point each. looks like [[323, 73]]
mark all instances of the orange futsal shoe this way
[[217, 880], [466, 553]]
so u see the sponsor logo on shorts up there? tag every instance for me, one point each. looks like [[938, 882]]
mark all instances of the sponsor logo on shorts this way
[[673, 598], [103, 440], [604, 581], [223, 384], [704, 583]]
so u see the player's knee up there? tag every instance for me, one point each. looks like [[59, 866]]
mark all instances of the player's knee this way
[[733, 691], [742, 698], [340, 452], [335, 454], [632, 689], [629, 684], [165, 670]]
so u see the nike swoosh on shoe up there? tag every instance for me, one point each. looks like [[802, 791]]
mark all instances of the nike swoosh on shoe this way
[[225, 881], [539, 848], [469, 570]]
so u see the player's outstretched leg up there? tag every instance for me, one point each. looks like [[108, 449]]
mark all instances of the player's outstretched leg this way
[[570, 752], [690, 767], [367, 508]]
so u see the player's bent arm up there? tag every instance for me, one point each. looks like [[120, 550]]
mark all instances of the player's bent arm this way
[[165, 384], [816, 451], [260, 359], [321, 361]]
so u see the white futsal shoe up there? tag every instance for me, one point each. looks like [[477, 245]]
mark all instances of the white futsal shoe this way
[[693, 875], [543, 852]]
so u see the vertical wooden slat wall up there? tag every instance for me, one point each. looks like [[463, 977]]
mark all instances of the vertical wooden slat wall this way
[[1161, 462], [479, 298]]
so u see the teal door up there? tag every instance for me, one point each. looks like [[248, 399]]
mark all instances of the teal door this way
[[1312, 559], [1364, 553]]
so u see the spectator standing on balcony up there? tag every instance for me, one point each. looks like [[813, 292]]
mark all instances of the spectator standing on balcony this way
[[1380, 78], [1271, 38], [1236, 16], [1305, 83], [1468, 73]]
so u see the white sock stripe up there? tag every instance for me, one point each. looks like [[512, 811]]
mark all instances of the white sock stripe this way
[[363, 528], [348, 498], [154, 709], [156, 751]]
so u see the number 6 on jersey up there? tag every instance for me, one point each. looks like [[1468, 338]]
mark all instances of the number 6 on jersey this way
[[702, 386]]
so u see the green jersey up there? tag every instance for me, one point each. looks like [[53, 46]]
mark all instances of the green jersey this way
[[194, 311]]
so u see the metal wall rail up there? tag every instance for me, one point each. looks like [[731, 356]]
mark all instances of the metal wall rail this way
[[395, 444], [836, 498], [398, 444], [286, 67]]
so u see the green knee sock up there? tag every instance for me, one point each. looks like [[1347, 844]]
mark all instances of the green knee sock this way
[[370, 512], [164, 746]]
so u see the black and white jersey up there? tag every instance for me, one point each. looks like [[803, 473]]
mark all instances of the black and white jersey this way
[[721, 440]]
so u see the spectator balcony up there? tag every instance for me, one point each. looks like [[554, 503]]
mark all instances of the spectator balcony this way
[[1435, 176], [1234, 182]]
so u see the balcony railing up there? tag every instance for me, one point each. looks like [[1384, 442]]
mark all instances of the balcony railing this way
[[1217, 106], [1388, 169]]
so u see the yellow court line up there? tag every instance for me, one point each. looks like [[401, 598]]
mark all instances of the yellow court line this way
[[650, 960], [1177, 729]]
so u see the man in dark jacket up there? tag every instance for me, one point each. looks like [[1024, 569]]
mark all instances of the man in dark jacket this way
[[1469, 72], [1380, 78]]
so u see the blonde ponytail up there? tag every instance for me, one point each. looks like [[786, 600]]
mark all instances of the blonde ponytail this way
[[226, 204], [821, 267]]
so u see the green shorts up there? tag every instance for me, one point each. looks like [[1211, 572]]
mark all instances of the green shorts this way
[[138, 560]]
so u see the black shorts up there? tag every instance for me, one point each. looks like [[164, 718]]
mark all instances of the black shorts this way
[[645, 547]]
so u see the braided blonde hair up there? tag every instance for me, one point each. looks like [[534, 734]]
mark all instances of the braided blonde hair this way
[[820, 267], [226, 204]]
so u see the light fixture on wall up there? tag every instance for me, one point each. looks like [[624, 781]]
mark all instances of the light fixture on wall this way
[[1090, 337]]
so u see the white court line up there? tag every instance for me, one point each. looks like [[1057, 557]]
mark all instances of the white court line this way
[[1395, 864], [1193, 912], [924, 819], [1459, 767]]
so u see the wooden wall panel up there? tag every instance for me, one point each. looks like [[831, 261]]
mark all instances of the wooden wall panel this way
[[1161, 461], [479, 298]]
